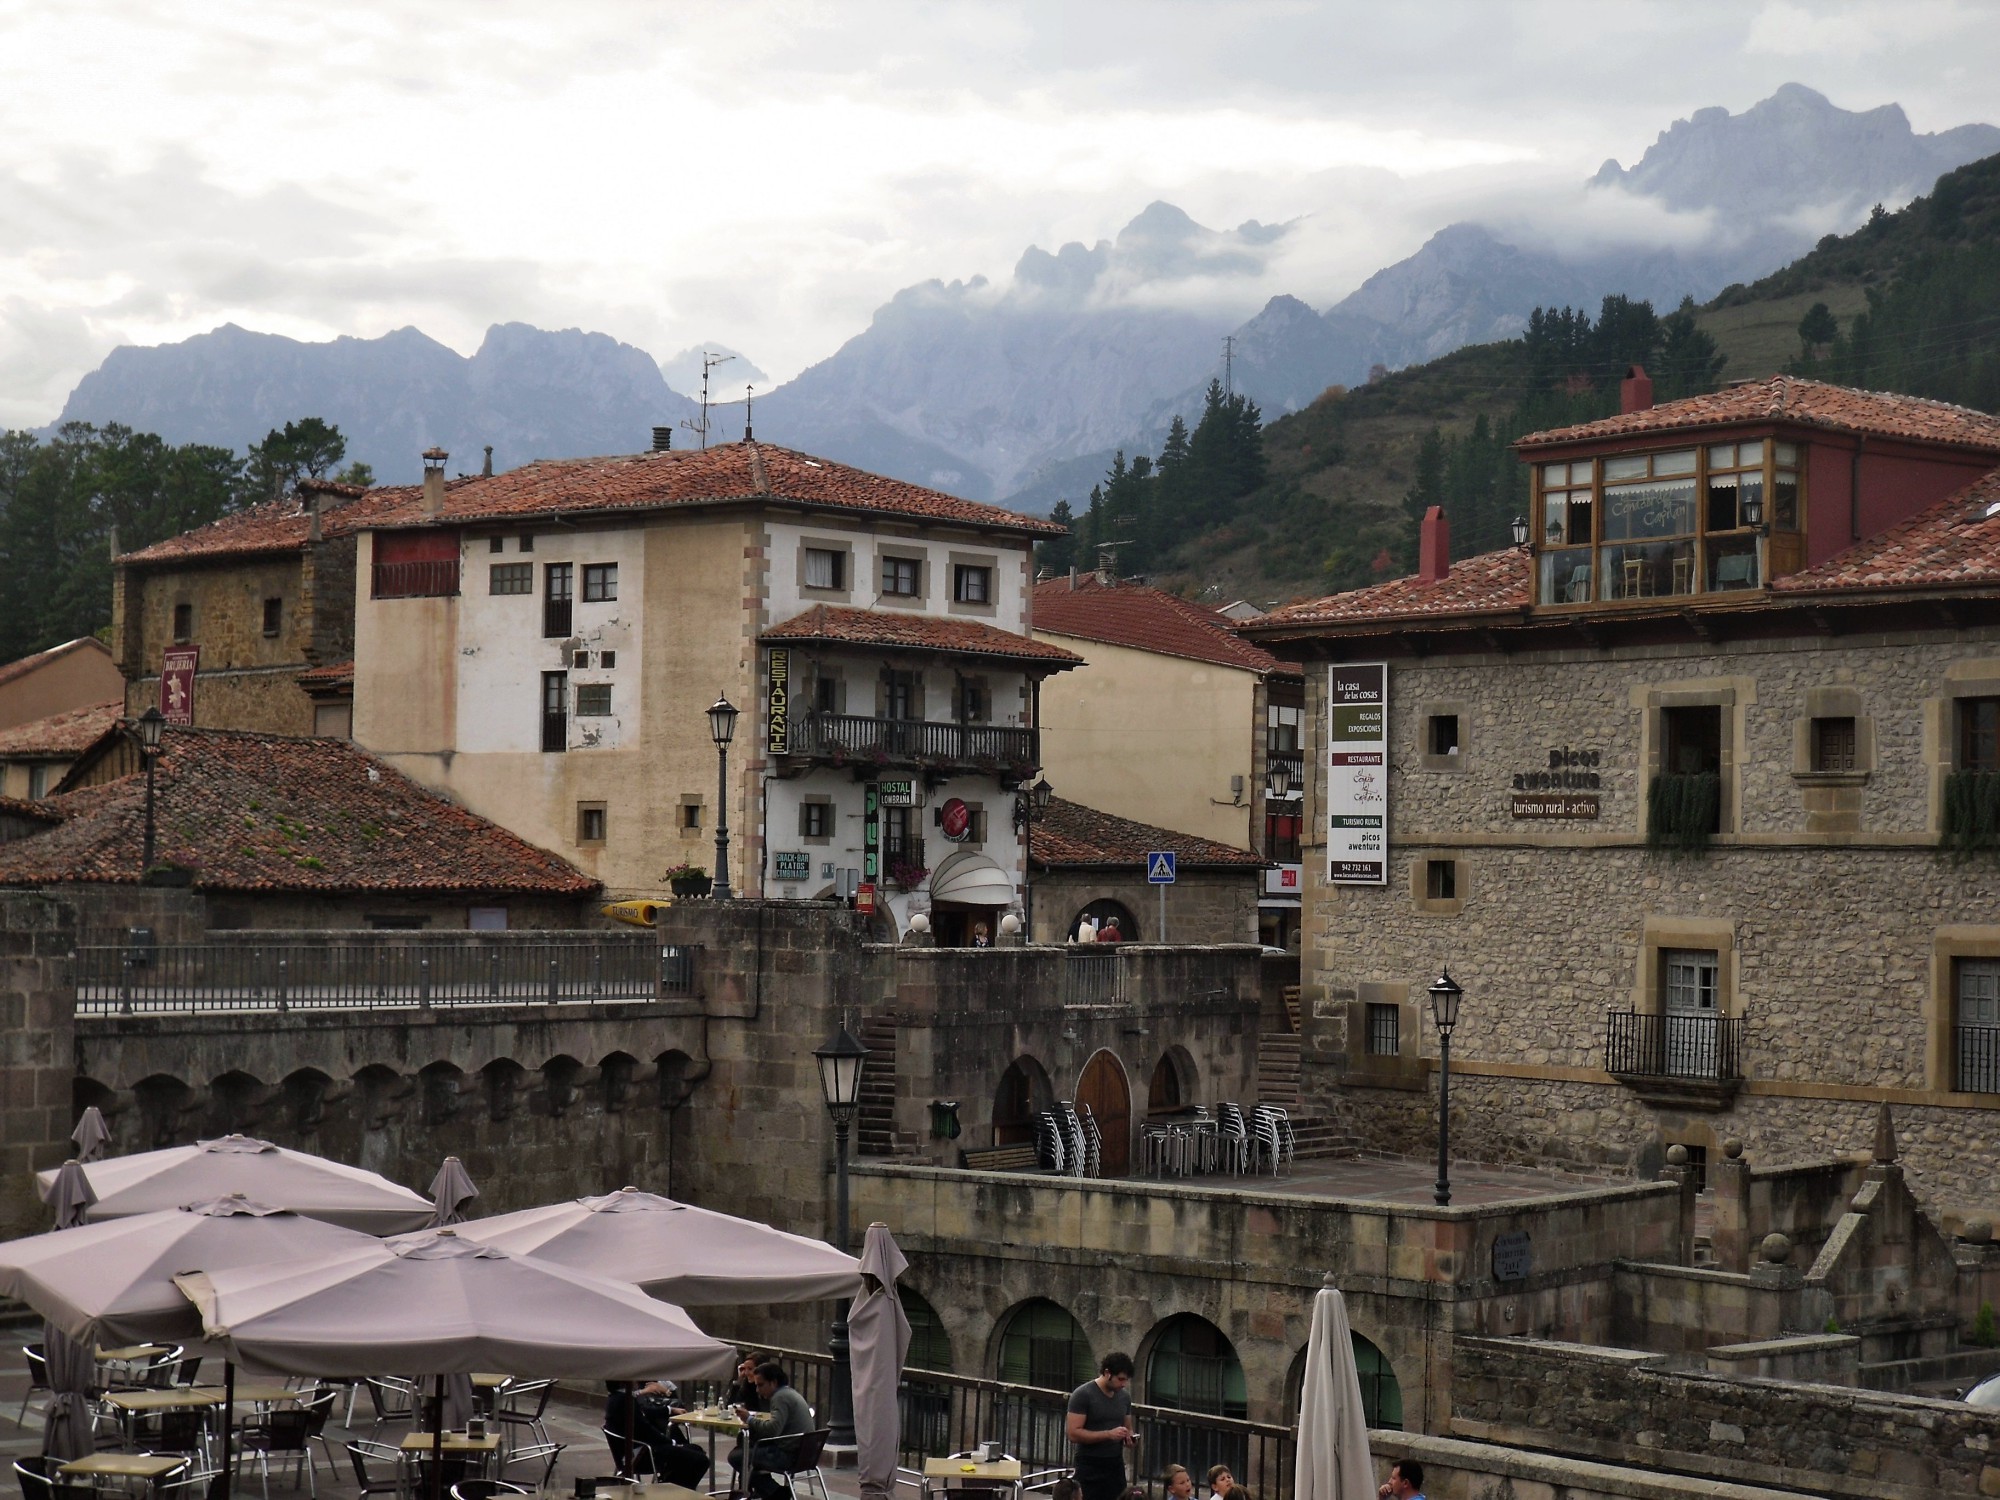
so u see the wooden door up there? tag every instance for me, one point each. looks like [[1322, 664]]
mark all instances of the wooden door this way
[[1104, 1089]]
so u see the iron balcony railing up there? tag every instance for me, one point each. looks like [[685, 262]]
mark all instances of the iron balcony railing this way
[[851, 737], [944, 1414], [1640, 1045], [1092, 975], [1979, 1059], [360, 971]]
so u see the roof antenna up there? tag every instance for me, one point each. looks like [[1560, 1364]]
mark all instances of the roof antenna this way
[[709, 361], [748, 392], [1107, 559], [1229, 364]]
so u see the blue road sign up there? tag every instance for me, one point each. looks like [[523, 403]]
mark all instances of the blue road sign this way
[[1160, 867]]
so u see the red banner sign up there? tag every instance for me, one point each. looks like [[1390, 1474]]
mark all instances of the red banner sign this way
[[177, 685], [955, 819]]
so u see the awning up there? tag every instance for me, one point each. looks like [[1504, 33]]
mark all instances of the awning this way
[[971, 879]]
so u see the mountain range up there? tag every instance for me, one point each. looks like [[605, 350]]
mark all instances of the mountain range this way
[[1019, 391]]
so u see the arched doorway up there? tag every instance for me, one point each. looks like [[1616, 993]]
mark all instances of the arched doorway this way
[[1381, 1395], [1192, 1366], [1042, 1345], [1104, 1089], [1103, 911], [1173, 1086], [1023, 1094], [925, 1404]]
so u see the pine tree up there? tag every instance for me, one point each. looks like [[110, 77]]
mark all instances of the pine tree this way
[[1058, 554]]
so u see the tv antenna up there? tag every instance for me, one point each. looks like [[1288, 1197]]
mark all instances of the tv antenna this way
[[1229, 364], [699, 427], [748, 392], [1107, 558]]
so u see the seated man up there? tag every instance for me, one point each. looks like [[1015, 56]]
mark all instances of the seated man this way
[[646, 1417], [775, 1431]]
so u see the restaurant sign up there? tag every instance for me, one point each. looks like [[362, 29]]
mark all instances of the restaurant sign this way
[[1357, 774], [177, 684], [779, 741], [792, 868]]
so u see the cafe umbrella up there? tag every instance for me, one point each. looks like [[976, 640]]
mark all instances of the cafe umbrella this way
[[90, 1135], [1333, 1460], [878, 1331], [66, 1430]]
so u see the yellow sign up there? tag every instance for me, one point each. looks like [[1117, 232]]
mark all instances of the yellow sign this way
[[637, 913]]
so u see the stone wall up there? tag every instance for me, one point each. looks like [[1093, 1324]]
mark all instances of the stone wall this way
[[1203, 906], [35, 1054], [1827, 1440]]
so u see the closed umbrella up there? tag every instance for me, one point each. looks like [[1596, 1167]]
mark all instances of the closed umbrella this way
[[691, 1256], [878, 1335], [149, 1181], [451, 1190], [90, 1135], [1333, 1459], [68, 1432]]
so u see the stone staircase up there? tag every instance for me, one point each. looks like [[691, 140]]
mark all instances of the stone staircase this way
[[1278, 1069], [875, 1121]]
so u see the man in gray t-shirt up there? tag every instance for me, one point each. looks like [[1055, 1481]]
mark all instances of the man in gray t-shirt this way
[[1099, 1424]]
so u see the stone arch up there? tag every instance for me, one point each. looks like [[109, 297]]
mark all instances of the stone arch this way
[[1102, 910], [1024, 1092], [1039, 1342], [163, 1101], [384, 1094], [503, 1080], [930, 1341], [1381, 1391], [562, 1075], [672, 1070], [440, 1085], [1175, 1083], [1189, 1364], [304, 1092], [236, 1103], [1104, 1087], [616, 1074]]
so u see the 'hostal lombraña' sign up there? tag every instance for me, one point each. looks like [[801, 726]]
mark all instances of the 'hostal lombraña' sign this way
[[1357, 774]]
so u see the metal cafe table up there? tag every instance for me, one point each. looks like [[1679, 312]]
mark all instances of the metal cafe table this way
[[713, 1420], [942, 1476], [149, 1467]]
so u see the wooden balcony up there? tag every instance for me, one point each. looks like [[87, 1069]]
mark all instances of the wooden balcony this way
[[850, 739]]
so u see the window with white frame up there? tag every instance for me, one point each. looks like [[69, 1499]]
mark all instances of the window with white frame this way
[[825, 568], [1976, 985]]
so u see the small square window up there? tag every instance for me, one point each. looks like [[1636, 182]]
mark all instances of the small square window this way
[[901, 575], [690, 817], [607, 659], [274, 616], [183, 622], [511, 578], [971, 585], [825, 568], [1385, 1030], [590, 820], [1833, 742], [1442, 734], [593, 700], [600, 583], [1441, 880], [496, 544], [815, 820], [527, 542]]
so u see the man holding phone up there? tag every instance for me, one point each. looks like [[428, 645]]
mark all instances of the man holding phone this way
[[1100, 1425]]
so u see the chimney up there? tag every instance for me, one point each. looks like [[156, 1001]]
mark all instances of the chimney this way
[[1635, 391], [486, 469], [663, 440], [433, 500], [1434, 546]]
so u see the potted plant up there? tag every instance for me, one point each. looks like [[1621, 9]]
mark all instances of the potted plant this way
[[908, 874], [688, 880]]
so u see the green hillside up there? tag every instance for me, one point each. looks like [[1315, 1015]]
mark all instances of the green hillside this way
[[1912, 299]]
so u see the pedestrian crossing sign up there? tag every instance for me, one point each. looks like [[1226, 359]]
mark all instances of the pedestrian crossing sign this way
[[1160, 867]]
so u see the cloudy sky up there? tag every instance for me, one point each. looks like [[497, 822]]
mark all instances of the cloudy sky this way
[[766, 174]]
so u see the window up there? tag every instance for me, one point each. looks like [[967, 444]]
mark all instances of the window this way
[[38, 779], [1281, 728], [815, 820], [590, 822], [930, 1345], [902, 695], [274, 616], [593, 700], [1281, 836], [555, 716], [1385, 1030], [975, 702], [826, 695], [1691, 989], [1194, 1368], [417, 564], [900, 840], [511, 578], [1684, 801], [971, 584], [183, 622], [902, 576], [1979, 734], [1381, 1395], [528, 542], [397, 922], [691, 815], [1833, 744], [1442, 734], [1441, 879], [1976, 982], [1043, 1346], [558, 580], [496, 544], [600, 583], [825, 568], [607, 659]]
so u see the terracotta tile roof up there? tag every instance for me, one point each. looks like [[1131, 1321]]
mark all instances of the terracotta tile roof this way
[[330, 680], [21, 807], [1956, 541], [915, 632], [18, 669], [283, 525], [62, 734], [1146, 619], [249, 812], [1800, 402], [1491, 582], [1069, 834], [725, 473]]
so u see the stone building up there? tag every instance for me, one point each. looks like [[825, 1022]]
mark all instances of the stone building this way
[[1694, 793], [64, 679], [34, 755], [261, 595], [1091, 864], [1177, 721]]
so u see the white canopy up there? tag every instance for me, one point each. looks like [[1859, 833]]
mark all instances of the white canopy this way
[[971, 879]]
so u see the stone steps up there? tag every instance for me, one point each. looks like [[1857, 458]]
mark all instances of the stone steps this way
[[875, 1120], [1317, 1138], [1278, 1069]]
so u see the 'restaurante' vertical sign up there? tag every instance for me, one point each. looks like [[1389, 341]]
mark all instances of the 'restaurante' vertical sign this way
[[1357, 774]]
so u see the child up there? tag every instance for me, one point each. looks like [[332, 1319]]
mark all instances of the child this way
[[1222, 1485]]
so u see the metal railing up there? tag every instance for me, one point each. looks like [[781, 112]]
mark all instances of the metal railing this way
[[1092, 976], [1978, 1059], [853, 737], [944, 1414], [359, 971], [1643, 1045], [435, 579]]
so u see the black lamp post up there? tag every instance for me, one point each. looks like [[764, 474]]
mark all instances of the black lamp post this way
[[1281, 781], [722, 727], [1520, 530], [146, 730], [1445, 995], [840, 1061], [1030, 802]]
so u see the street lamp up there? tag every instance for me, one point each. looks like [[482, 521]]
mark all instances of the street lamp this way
[[1520, 529], [1445, 995], [146, 730], [1030, 803], [722, 727], [840, 1061], [1753, 507], [1281, 780]]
